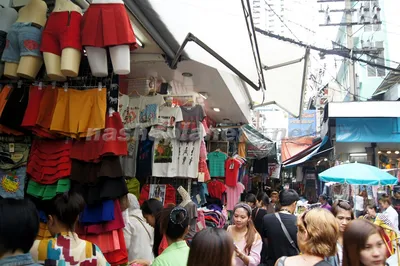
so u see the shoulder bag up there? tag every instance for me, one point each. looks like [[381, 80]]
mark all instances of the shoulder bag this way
[[287, 233]]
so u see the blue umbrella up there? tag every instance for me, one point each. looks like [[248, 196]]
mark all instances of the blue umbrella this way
[[357, 174]]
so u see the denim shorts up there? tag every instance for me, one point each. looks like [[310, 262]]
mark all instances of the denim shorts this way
[[12, 183], [23, 39]]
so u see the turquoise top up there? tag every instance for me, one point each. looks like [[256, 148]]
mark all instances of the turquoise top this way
[[176, 254], [216, 161]]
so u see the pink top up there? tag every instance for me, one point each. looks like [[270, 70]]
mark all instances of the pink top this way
[[254, 254], [233, 195]]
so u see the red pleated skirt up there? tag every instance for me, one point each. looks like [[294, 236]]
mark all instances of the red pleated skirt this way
[[105, 25]]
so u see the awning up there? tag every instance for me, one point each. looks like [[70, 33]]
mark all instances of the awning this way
[[391, 79], [368, 129], [222, 27], [307, 154], [259, 146]]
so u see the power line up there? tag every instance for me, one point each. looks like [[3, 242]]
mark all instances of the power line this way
[[345, 89], [325, 51]]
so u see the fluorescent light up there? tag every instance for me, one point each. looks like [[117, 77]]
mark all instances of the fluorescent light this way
[[217, 110], [139, 42], [397, 152], [379, 152], [204, 95], [388, 152], [361, 154], [326, 159]]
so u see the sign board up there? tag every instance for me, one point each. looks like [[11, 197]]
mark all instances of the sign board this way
[[274, 170], [306, 125]]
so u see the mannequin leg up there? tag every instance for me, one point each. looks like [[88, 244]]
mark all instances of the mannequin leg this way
[[29, 66], [53, 63], [121, 59], [10, 70], [70, 61], [97, 60]]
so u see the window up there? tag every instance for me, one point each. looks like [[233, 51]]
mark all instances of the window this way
[[375, 71]]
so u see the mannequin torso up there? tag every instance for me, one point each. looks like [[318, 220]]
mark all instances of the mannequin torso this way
[[66, 5], [8, 16], [34, 12], [67, 65]]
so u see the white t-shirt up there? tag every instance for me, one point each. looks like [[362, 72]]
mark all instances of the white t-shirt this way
[[149, 109], [128, 107], [173, 158], [165, 159], [359, 203], [167, 119], [393, 216]]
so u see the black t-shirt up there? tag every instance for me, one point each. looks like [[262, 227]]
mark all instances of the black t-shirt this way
[[258, 217], [278, 244]]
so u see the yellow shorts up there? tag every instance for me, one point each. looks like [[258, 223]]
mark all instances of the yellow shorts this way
[[79, 113]]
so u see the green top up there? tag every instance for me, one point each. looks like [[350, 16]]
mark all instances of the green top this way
[[176, 254], [216, 161]]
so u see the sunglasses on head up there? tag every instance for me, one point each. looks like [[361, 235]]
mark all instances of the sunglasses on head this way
[[303, 219], [345, 204]]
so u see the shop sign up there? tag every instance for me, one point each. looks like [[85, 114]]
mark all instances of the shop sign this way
[[274, 170], [306, 125]]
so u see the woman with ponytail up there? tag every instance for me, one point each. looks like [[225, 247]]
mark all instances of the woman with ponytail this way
[[248, 243], [175, 226], [65, 247]]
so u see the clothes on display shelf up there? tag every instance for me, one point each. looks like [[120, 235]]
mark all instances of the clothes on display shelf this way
[[133, 186], [233, 195], [232, 170], [144, 159], [216, 189], [128, 162], [198, 193], [165, 193], [129, 108], [213, 217], [106, 24], [216, 161], [165, 126], [189, 129], [62, 31], [150, 109], [191, 209], [260, 166], [173, 158]]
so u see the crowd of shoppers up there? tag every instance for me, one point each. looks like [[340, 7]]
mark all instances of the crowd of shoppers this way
[[259, 234]]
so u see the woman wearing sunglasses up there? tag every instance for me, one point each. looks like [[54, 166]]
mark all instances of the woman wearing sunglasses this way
[[247, 241], [316, 236], [343, 213], [364, 244]]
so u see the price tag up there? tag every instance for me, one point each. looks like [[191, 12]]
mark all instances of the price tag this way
[[198, 198], [200, 177], [11, 147]]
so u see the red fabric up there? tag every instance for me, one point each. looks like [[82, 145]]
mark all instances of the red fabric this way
[[106, 241], [216, 189], [63, 30], [163, 245], [106, 25], [49, 161], [112, 141], [232, 167], [119, 256], [46, 109], [32, 110], [170, 195]]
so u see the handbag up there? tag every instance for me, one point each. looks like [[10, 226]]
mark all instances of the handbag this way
[[285, 231]]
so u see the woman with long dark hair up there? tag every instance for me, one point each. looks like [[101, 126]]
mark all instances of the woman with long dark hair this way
[[247, 241], [364, 244], [211, 246]]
